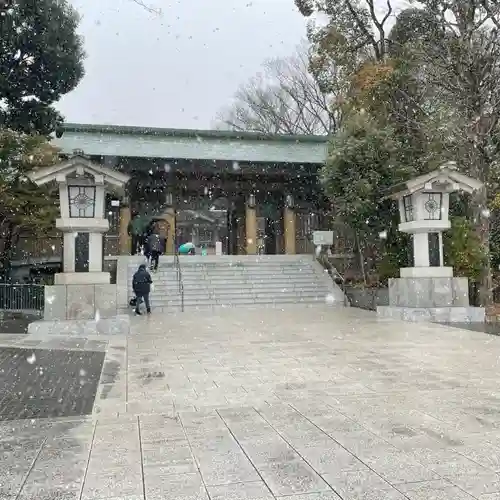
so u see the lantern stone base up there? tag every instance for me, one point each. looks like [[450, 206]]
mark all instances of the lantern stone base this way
[[433, 314], [90, 278], [429, 292], [436, 299], [426, 272], [80, 302]]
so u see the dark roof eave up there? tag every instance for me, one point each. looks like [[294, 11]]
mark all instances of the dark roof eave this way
[[190, 133]]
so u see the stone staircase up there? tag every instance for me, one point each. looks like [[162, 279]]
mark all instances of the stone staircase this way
[[232, 281]]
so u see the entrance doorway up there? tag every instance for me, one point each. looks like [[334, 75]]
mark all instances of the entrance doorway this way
[[270, 235]]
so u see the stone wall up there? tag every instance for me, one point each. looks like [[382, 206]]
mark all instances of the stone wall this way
[[367, 298]]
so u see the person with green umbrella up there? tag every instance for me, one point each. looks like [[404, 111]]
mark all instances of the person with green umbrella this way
[[187, 249]]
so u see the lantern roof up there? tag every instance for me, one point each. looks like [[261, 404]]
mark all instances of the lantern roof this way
[[446, 179], [79, 166]]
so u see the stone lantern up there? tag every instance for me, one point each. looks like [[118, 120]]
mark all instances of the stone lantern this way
[[428, 290], [82, 193]]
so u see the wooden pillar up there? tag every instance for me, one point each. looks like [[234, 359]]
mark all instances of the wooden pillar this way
[[251, 226], [290, 234], [169, 217], [125, 243]]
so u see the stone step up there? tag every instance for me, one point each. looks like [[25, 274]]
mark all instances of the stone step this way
[[226, 270], [239, 284], [231, 272], [235, 301], [250, 296], [233, 277], [241, 293], [244, 291]]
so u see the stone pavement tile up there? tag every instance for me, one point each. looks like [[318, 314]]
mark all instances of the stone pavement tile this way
[[478, 484], [171, 465], [231, 467], [399, 467], [486, 455], [12, 477], [324, 495], [354, 484], [57, 473], [273, 450], [113, 459], [447, 463], [325, 460], [127, 434], [172, 454], [46, 491], [433, 490], [291, 478], [77, 430], [132, 497], [240, 491], [176, 487], [120, 482], [20, 451]]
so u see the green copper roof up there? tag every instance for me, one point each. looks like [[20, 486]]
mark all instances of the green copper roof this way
[[149, 142], [190, 133]]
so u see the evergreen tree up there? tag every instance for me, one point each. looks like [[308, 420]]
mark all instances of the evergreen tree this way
[[41, 59]]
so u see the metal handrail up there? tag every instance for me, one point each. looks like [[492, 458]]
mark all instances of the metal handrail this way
[[334, 274], [180, 284]]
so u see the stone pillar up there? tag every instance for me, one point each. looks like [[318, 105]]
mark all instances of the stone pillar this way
[[251, 226], [69, 252], [290, 235], [441, 252], [421, 249], [125, 243], [95, 252]]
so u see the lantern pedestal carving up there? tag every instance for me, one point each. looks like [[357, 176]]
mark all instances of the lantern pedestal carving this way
[[428, 291]]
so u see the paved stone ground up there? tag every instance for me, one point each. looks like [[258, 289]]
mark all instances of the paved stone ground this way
[[293, 404], [37, 383]]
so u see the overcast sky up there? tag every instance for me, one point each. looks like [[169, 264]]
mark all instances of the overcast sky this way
[[177, 70]]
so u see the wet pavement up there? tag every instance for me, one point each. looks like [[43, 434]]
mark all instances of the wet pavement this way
[[15, 323], [295, 404], [40, 383], [490, 328]]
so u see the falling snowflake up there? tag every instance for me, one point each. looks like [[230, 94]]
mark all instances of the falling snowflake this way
[[330, 299], [31, 359]]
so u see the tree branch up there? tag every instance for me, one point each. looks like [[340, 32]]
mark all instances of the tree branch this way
[[149, 8]]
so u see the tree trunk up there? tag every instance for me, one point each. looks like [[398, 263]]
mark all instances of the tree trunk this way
[[361, 258], [11, 236], [482, 225]]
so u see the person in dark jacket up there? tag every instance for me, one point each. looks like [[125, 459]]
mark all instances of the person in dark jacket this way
[[141, 284], [154, 246], [134, 230]]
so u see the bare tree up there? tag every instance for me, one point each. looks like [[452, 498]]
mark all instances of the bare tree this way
[[283, 99], [148, 7]]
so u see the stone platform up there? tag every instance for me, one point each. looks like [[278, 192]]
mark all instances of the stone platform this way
[[299, 403], [119, 325], [437, 299], [434, 314]]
